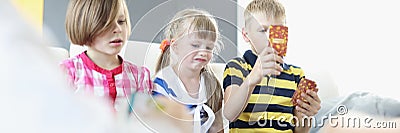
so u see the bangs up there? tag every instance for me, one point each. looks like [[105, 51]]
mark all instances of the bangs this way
[[112, 9], [203, 28]]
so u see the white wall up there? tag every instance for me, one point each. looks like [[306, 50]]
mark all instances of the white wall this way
[[353, 39]]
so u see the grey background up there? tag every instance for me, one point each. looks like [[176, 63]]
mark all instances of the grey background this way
[[148, 18]]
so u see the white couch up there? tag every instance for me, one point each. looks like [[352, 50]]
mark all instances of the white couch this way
[[143, 54], [59, 54]]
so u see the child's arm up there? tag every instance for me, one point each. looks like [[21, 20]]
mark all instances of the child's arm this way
[[236, 97], [218, 125], [164, 114], [68, 67], [146, 81]]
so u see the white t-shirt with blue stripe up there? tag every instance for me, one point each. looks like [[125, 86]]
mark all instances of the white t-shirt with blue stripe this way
[[167, 83]]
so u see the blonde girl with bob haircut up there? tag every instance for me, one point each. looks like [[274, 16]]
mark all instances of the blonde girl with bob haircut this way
[[183, 73], [104, 27]]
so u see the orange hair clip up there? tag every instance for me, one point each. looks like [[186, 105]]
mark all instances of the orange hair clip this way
[[164, 44]]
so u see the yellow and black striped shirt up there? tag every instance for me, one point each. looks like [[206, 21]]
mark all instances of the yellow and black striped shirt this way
[[269, 108]]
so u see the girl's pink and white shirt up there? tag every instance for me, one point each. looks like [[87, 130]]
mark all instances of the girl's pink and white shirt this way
[[117, 84]]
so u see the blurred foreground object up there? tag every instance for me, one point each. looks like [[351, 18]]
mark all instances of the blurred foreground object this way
[[34, 97]]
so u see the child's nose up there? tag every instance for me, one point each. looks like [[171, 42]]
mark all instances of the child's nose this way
[[203, 52], [117, 29]]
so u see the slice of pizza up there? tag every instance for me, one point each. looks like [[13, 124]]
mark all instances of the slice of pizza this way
[[304, 85], [278, 38]]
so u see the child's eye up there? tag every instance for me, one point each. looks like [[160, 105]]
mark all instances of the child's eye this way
[[209, 48], [196, 45], [121, 22], [264, 30]]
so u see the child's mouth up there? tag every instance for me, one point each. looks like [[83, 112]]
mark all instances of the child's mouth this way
[[117, 42], [201, 60]]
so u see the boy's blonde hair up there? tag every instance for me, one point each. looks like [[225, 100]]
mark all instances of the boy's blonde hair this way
[[205, 27], [87, 19], [269, 8]]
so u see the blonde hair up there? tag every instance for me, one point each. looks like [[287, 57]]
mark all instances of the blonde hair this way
[[189, 21], [269, 8], [86, 19], [193, 20]]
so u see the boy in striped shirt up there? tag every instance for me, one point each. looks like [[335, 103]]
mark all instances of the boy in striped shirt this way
[[259, 86]]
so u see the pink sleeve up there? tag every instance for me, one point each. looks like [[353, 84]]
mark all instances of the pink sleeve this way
[[69, 68], [145, 81]]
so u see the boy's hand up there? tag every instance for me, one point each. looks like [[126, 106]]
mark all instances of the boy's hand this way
[[304, 109], [267, 64], [309, 108]]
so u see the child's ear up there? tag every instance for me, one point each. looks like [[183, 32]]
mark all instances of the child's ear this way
[[173, 47], [244, 34]]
